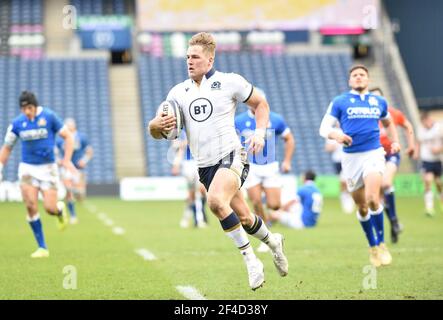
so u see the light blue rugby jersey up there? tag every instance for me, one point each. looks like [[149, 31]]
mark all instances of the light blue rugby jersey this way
[[37, 136], [81, 143], [358, 116], [245, 125]]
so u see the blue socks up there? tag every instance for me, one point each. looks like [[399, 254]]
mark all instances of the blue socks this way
[[377, 222], [71, 207], [37, 229], [368, 228], [390, 204]]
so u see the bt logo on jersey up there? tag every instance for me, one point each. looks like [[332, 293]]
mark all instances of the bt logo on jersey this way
[[200, 109]]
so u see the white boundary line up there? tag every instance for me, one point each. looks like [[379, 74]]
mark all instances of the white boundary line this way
[[145, 254], [190, 292]]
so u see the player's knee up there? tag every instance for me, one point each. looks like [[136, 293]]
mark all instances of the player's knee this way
[[373, 201], [215, 203]]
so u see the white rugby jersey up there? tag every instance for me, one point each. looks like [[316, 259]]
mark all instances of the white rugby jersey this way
[[209, 112], [428, 139]]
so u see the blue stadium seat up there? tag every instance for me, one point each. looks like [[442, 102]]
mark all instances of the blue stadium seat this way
[[67, 87]]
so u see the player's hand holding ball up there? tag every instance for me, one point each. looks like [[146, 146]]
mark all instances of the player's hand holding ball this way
[[256, 141]]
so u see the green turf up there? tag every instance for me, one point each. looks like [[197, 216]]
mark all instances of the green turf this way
[[325, 263]]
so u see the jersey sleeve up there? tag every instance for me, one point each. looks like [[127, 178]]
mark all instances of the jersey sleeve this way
[[398, 116], [281, 126], [334, 109], [11, 136], [384, 108], [241, 88]]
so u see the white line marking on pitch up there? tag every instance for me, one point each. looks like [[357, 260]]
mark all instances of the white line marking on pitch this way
[[118, 230], [146, 254], [108, 222], [102, 216], [190, 293]]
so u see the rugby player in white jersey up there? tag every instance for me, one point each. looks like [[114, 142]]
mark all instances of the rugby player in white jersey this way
[[208, 100], [430, 143]]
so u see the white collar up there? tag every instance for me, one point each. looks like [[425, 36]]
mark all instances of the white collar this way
[[39, 110]]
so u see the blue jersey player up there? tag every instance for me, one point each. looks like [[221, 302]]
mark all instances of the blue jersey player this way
[[358, 113], [304, 211], [75, 184], [37, 128], [264, 171]]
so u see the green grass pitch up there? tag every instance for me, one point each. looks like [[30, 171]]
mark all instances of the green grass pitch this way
[[325, 263]]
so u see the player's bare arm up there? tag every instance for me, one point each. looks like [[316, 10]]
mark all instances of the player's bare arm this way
[[69, 149], [89, 153], [159, 124], [260, 108], [410, 136], [289, 151], [392, 133]]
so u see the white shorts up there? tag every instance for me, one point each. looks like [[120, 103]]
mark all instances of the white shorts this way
[[190, 172], [43, 176], [292, 218], [268, 175], [356, 166]]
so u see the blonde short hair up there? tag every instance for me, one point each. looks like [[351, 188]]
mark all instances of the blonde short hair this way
[[205, 40]]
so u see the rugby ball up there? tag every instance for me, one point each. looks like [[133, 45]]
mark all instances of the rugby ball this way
[[171, 108]]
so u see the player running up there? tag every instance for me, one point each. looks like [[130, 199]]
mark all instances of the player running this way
[[264, 175], [208, 100], [75, 184], [430, 138], [37, 128], [393, 163], [358, 113]]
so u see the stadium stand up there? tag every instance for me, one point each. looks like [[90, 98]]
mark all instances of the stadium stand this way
[[76, 88], [99, 7], [21, 28], [297, 86]]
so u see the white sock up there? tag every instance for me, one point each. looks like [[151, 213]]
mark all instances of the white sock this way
[[429, 200], [260, 231]]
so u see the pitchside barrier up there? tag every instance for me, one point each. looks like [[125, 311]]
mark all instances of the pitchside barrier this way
[[174, 188]]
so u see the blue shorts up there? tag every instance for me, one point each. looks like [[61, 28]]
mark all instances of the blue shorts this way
[[393, 158], [432, 167]]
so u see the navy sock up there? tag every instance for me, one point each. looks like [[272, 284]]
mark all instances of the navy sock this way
[[377, 222], [71, 207], [390, 203], [368, 229], [37, 229]]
